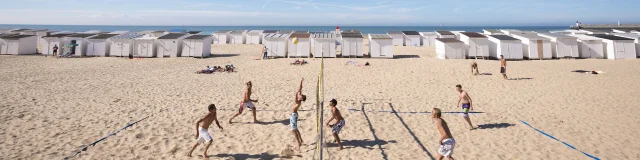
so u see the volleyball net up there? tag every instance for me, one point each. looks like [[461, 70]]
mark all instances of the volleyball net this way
[[319, 110]]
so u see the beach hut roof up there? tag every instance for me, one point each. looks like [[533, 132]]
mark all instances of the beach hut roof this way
[[300, 35], [352, 35], [104, 36], [324, 36], [394, 32], [286, 31], [410, 33], [198, 37], [445, 32], [223, 31], [277, 35], [492, 30], [503, 37], [238, 31], [628, 35], [270, 31], [256, 31], [194, 32], [532, 36], [7, 35], [82, 35], [610, 37], [20, 30], [178, 30], [448, 40], [585, 37], [128, 36], [380, 36], [301, 32], [14, 37], [351, 31], [316, 32], [473, 34], [557, 35], [172, 36], [428, 33], [58, 35]]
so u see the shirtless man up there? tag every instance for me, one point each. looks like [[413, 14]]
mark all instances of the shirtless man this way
[[446, 141], [474, 65], [336, 127], [467, 104], [503, 67], [247, 102], [202, 133], [293, 119]]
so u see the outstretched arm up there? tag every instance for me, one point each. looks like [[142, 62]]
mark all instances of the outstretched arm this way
[[300, 89], [215, 118]]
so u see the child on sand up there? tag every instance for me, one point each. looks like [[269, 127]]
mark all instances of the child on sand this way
[[293, 119], [336, 127], [248, 103], [503, 67], [446, 141], [202, 133], [474, 66]]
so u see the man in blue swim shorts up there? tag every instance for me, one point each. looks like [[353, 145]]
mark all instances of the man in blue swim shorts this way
[[293, 119], [467, 104]]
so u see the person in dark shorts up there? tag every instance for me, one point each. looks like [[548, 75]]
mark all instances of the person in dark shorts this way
[[55, 50], [467, 104], [264, 52], [503, 67]]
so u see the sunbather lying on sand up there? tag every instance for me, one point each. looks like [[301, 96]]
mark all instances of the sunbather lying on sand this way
[[298, 62], [587, 72]]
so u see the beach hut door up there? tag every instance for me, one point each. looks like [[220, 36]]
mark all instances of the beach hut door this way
[[619, 49], [540, 49], [325, 49], [3, 48]]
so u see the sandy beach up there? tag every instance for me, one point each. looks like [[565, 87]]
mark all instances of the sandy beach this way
[[52, 107]]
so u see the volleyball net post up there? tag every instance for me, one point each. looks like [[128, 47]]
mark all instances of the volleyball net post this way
[[319, 110]]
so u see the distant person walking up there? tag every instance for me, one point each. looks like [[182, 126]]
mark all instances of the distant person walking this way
[[503, 67], [264, 52], [55, 50]]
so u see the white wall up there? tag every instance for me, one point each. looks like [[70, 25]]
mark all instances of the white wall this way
[[398, 39], [381, 48], [145, 48], [411, 40], [591, 49], [352, 47], [121, 48], [302, 49], [324, 48], [98, 48]]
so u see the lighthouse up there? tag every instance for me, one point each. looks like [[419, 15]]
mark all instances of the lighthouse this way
[[337, 30]]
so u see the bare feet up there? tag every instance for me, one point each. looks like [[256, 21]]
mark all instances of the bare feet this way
[[230, 122], [340, 148], [205, 156], [189, 155]]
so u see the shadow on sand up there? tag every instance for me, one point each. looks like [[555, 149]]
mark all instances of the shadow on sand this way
[[248, 156], [495, 125], [415, 138], [405, 56], [518, 79]]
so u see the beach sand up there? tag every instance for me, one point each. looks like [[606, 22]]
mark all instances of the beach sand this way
[[51, 107]]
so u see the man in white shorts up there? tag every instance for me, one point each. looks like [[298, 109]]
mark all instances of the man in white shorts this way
[[202, 133], [248, 103], [446, 141]]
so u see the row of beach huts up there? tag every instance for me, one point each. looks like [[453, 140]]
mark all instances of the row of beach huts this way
[[512, 44]]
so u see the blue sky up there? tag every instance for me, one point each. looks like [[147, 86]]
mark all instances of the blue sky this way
[[318, 12]]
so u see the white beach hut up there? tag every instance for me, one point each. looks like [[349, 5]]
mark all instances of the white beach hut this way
[[492, 32], [445, 34], [18, 44], [616, 47], [254, 37], [55, 40], [398, 37], [589, 46], [411, 38], [276, 44], [197, 46], [122, 45], [510, 31], [596, 31], [562, 45], [221, 37], [635, 37], [302, 48], [80, 42], [506, 46], [457, 34], [449, 48], [380, 46], [39, 34], [238, 37], [144, 46], [352, 44], [170, 45], [429, 38], [99, 45], [476, 44], [534, 46], [324, 45]]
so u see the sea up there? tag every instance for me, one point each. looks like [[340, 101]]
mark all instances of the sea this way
[[211, 29]]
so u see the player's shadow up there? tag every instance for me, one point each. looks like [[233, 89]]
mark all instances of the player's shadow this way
[[364, 143], [415, 138], [248, 156], [495, 125], [518, 79], [283, 122]]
